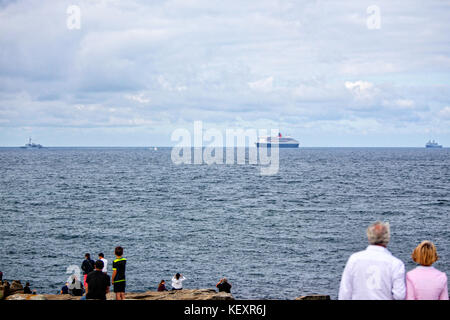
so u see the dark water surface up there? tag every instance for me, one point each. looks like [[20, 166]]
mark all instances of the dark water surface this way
[[274, 237]]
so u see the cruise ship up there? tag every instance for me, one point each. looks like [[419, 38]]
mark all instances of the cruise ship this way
[[31, 145], [432, 144], [280, 141]]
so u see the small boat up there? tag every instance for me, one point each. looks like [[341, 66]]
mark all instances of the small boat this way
[[432, 144], [32, 145]]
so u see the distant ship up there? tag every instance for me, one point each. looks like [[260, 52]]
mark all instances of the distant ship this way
[[432, 144], [31, 145], [281, 142]]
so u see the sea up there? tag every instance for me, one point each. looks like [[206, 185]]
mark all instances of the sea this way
[[275, 236]]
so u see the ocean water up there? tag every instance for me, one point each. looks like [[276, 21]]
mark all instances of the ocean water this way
[[274, 237]]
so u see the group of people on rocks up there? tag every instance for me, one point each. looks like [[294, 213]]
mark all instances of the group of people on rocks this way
[[97, 282]]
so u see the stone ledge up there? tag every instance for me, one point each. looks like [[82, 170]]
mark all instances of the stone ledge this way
[[185, 294]]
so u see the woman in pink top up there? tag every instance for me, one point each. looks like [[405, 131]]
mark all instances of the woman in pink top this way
[[426, 282]]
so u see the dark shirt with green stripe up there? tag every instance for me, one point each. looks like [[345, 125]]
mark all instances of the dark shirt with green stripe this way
[[119, 265]]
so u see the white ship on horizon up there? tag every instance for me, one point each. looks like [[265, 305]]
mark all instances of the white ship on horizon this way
[[280, 141], [32, 145]]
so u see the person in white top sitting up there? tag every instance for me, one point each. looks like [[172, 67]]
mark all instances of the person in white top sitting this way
[[374, 273], [101, 256], [177, 281]]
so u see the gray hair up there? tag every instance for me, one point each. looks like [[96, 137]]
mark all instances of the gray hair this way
[[379, 233]]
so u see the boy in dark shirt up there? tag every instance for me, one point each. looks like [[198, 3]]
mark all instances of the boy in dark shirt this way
[[118, 275], [97, 283]]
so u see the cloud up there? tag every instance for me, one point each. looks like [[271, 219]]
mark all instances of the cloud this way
[[264, 85], [138, 98], [445, 113], [361, 89]]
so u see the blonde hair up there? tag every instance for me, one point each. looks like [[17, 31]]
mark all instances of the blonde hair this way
[[425, 253], [379, 233]]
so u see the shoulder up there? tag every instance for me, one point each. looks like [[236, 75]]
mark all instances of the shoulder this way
[[356, 256], [122, 260], [396, 262], [440, 274], [411, 275]]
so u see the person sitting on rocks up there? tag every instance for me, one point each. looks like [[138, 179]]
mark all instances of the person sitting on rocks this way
[[177, 282], [76, 288], [27, 289], [223, 285], [65, 289], [162, 286]]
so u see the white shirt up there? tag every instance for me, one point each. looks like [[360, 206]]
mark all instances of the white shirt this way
[[105, 265], [178, 284], [373, 274]]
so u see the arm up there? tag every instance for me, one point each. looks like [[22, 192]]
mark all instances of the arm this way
[[410, 293], [345, 289], [444, 293], [398, 283], [107, 289], [113, 275]]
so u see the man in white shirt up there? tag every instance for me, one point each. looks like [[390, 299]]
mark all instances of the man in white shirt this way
[[374, 273], [101, 256]]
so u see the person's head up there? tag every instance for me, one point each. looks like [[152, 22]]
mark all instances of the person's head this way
[[87, 256], [425, 253], [101, 255], [378, 233], [27, 284], [162, 282], [99, 265], [177, 276], [224, 280], [118, 251]]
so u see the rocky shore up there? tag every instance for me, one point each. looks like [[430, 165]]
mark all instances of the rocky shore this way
[[14, 291]]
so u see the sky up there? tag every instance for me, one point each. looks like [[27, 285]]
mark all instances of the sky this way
[[129, 73]]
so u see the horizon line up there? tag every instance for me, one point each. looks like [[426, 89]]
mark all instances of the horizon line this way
[[155, 146]]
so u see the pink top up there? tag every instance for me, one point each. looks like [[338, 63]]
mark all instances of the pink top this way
[[426, 283]]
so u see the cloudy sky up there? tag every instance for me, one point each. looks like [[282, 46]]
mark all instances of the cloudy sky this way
[[328, 73]]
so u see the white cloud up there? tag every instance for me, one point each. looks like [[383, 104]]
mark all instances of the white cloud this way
[[265, 85], [361, 89], [138, 98], [445, 113]]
